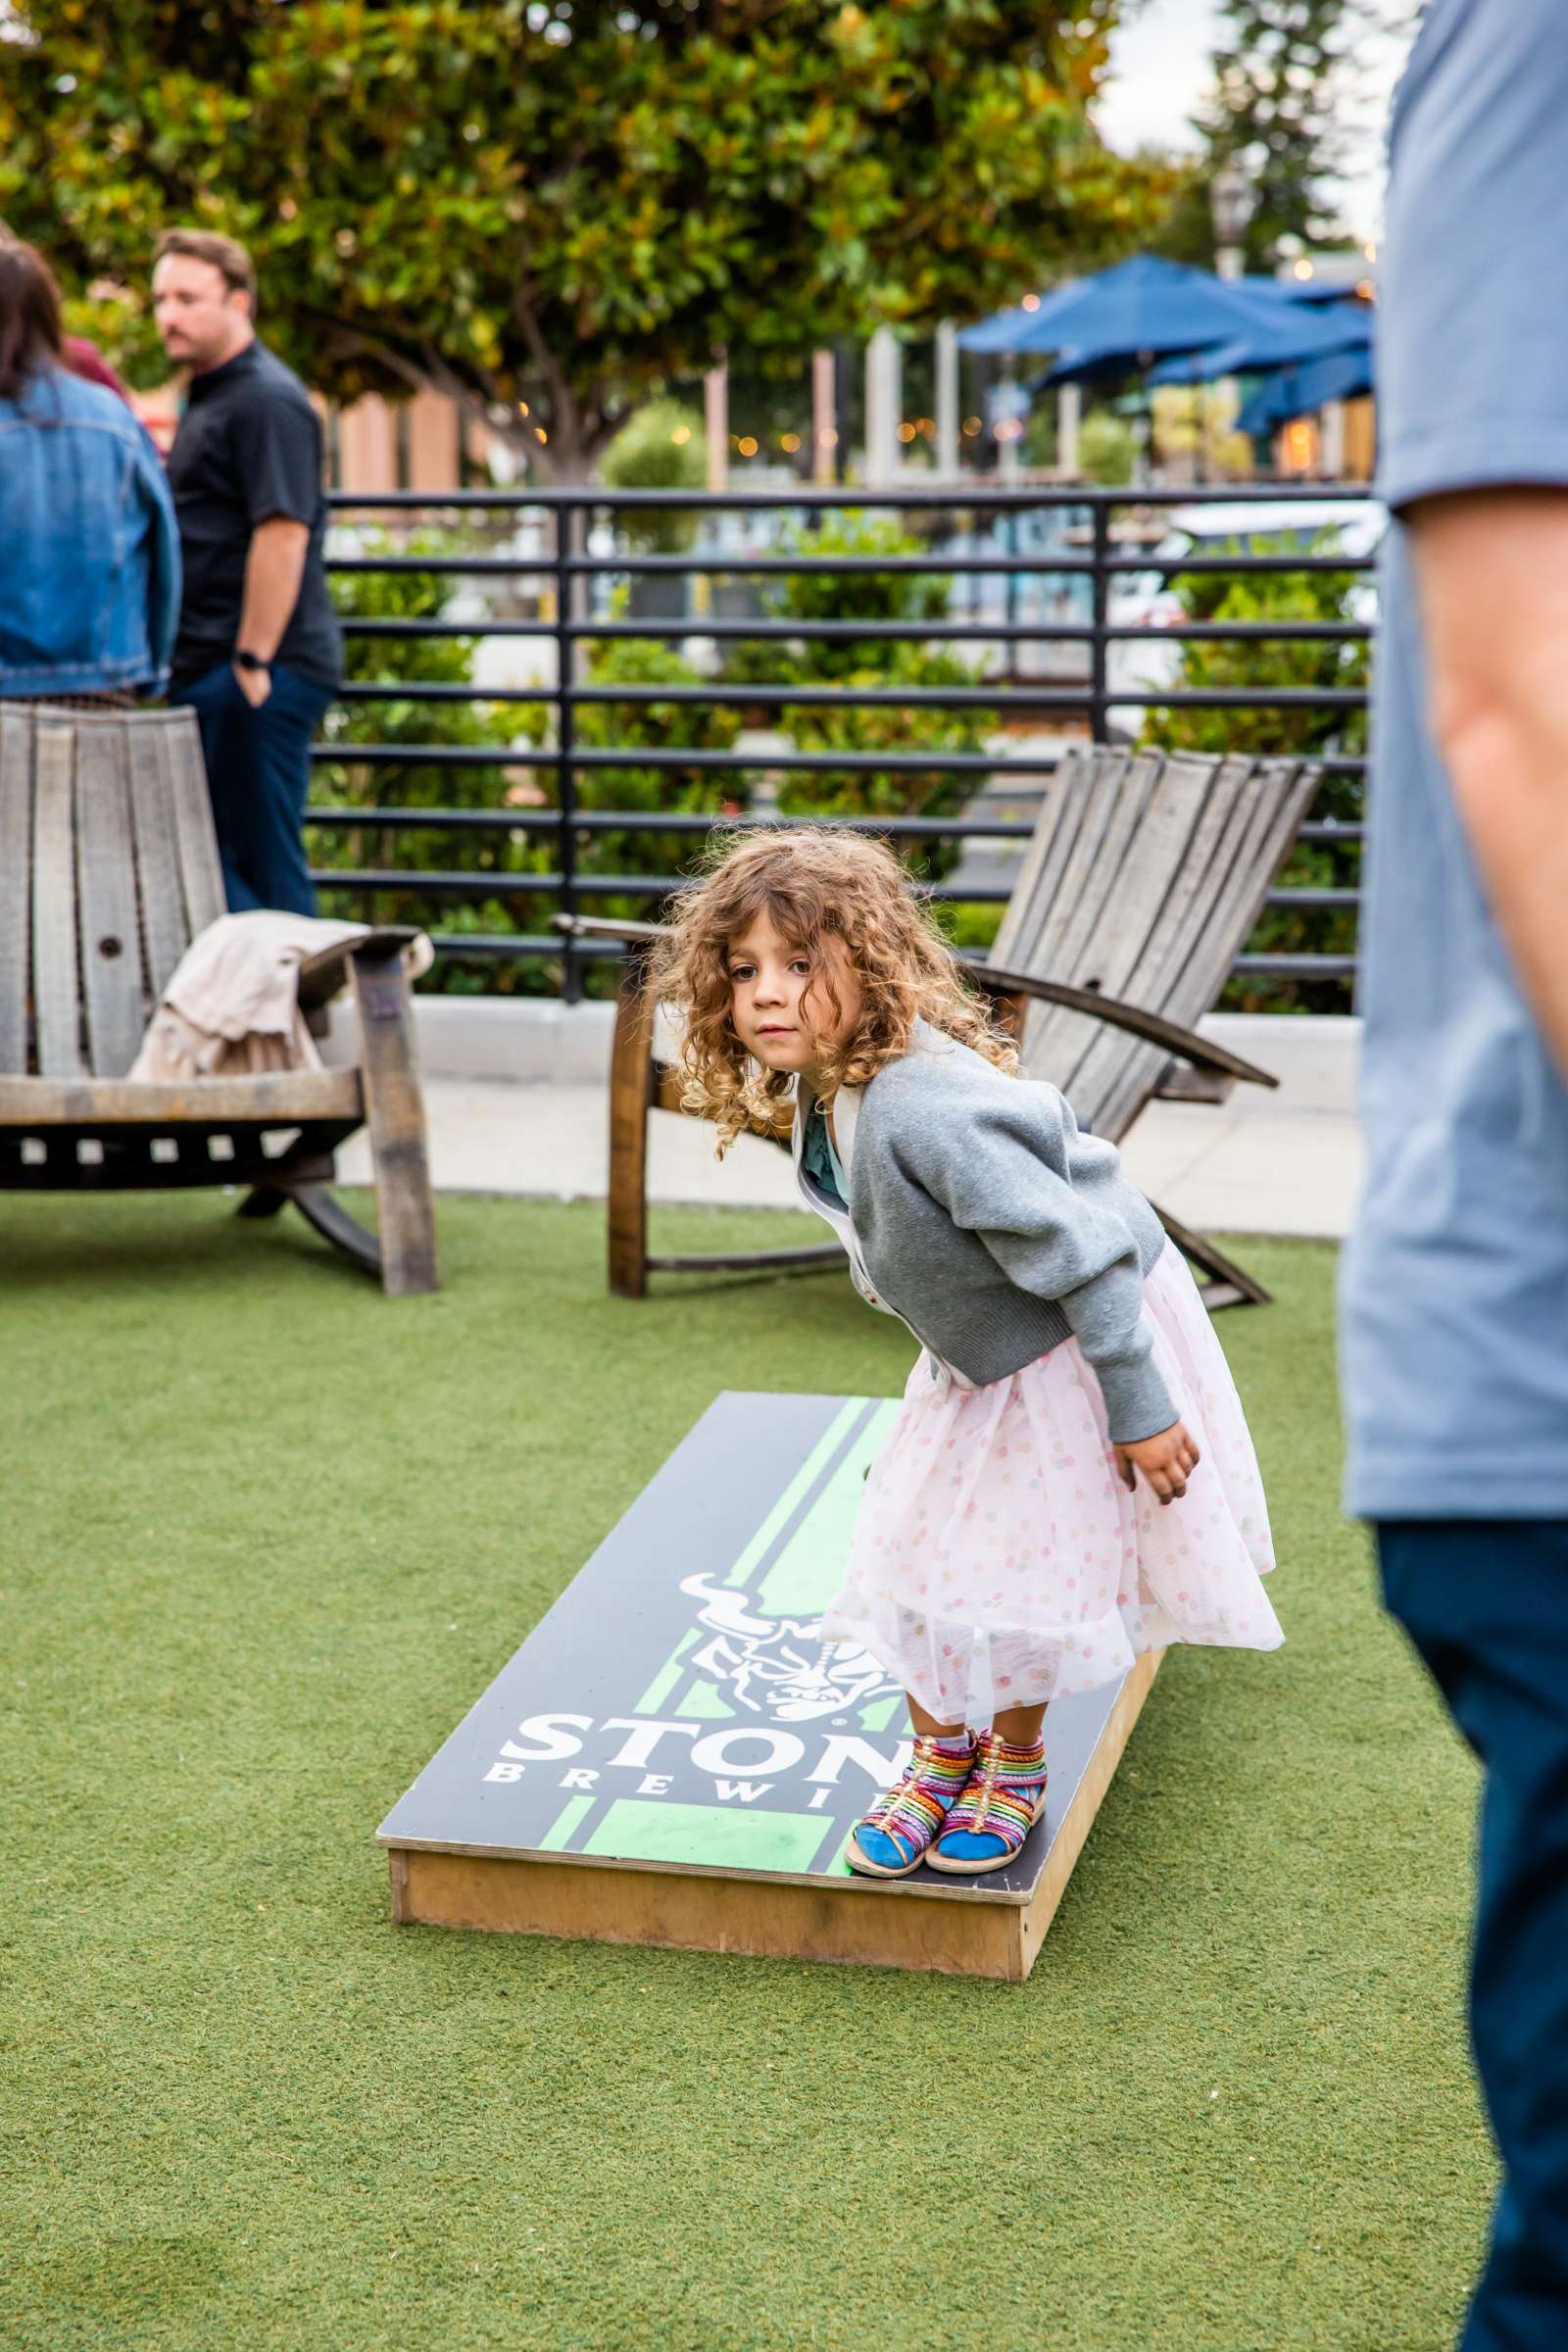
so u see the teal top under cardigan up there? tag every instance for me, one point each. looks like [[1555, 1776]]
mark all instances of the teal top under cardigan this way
[[985, 1219]]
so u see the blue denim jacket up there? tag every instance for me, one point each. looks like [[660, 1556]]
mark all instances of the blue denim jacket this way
[[89, 551]]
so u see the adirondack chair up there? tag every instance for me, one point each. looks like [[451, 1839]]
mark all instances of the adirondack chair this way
[[1146, 873], [109, 869]]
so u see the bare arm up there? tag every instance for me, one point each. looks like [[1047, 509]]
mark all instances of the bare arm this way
[[1493, 572], [273, 571]]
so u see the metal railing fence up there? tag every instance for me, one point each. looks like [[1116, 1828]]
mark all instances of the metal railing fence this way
[[1083, 559]]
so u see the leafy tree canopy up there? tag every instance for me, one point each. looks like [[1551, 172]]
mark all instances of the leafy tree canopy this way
[[569, 206], [1284, 77]]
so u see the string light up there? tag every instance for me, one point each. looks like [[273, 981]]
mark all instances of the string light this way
[[906, 432], [540, 435], [681, 435], [971, 425], [522, 408], [1302, 270], [748, 447], [1031, 302], [790, 442], [828, 438]]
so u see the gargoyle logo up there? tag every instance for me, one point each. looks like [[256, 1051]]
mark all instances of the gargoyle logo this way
[[780, 1666]]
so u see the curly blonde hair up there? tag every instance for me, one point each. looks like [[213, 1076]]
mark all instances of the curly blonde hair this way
[[812, 884]]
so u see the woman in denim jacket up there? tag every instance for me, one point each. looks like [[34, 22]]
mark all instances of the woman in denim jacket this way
[[89, 554]]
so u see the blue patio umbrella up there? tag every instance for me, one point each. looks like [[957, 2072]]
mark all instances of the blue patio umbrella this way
[[1299, 391], [1146, 308], [1306, 334]]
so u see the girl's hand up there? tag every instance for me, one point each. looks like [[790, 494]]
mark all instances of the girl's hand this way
[[1167, 1460]]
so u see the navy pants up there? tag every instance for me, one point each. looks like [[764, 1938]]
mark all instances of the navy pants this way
[[1486, 1604], [258, 774]]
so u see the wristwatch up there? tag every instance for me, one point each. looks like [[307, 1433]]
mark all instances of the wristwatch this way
[[244, 660]]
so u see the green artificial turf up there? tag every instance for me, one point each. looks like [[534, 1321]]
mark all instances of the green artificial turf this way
[[267, 1536]]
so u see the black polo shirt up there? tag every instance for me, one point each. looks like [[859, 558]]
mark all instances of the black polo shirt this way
[[249, 447]]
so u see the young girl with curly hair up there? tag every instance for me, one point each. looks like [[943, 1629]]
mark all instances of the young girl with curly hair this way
[[1071, 1479]]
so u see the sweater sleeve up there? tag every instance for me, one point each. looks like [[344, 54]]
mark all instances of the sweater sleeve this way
[[987, 1170]]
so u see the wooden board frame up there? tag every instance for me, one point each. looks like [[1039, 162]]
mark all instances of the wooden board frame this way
[[957, 1931], [466, 1852]]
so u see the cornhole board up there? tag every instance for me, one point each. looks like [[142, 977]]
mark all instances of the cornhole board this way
[[673, 1758]]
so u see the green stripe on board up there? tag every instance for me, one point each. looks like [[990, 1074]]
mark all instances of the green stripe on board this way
[[704, 1701], [664, 1680], [810, 1567], [800, 1486], [559, 1834], [723, 1836]]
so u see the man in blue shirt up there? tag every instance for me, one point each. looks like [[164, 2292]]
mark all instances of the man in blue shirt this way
[[1456, 1300]]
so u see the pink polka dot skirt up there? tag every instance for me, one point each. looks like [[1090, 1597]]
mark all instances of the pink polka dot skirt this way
[[996, 1557]]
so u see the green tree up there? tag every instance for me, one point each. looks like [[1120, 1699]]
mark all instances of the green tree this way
[[554, 210], [1283, 76]]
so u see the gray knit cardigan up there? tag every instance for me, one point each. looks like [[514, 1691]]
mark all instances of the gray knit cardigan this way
[[994, 1228]]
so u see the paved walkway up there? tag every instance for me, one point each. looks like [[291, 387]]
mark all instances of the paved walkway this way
[[1282, 1163]]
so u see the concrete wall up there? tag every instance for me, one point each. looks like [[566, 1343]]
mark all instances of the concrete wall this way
[[1314, 1056]]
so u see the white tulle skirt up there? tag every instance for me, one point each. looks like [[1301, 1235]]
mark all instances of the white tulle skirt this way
[[998, 1559]]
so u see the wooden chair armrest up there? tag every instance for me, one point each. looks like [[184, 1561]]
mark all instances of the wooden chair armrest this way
[[320, 976], [994, 981], [1184, 1043], [603, 927]]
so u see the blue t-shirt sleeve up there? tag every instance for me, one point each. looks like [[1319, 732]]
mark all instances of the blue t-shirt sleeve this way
[[1473, 322]]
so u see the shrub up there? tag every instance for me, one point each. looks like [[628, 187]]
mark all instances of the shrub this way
[[425, 660], [663, 447], [1288, 662], [1107, 449], [874, 663]]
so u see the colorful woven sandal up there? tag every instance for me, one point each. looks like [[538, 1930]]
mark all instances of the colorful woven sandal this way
[[895, 1836], [1004, 1797]]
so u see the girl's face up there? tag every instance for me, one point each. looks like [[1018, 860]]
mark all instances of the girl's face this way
[[779, 1001]]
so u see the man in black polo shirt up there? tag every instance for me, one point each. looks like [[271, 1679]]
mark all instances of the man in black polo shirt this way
[[258, 653]]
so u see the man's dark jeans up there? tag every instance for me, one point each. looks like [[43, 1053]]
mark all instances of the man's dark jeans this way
[[1486, 1602], [258, 774]]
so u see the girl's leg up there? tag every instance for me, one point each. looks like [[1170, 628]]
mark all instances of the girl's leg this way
[[894, 1838], [1004, 1797], [926, 1727]]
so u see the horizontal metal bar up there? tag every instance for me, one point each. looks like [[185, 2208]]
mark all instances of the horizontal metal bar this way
[[527, 946], [1330, 830], [1043, 563], [897, 763], [1225, 633], [960, 631], [719, 698], [1314, 894], [642, 820], [437, 883], [1299, 967], [1053, 695], [432, 882], [429, 754], [960, 492]]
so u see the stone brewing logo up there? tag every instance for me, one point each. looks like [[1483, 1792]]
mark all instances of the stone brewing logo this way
[[780, 1666]]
